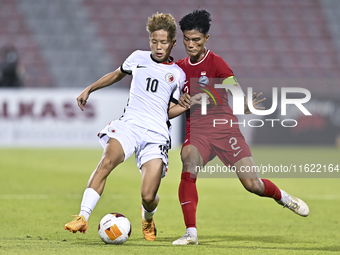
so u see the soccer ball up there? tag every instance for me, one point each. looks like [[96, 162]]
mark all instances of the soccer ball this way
[[114, 228]]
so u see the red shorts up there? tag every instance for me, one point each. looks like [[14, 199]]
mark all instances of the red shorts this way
[[230, 148]]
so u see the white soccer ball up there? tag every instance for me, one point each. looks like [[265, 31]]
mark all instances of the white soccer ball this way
[[114, 228]]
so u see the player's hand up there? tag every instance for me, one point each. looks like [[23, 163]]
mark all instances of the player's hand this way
[[184, 100], [82, 99], [197, 99], [256, 101]]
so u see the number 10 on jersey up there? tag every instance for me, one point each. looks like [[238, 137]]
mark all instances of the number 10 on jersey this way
[[151, 85]]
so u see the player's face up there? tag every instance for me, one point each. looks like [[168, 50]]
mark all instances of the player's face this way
[[161, 45], [194, 42]]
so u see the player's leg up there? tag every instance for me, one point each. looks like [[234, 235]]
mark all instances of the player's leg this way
[[246, 171], [251, 180], [151, 179], [113, 155], [187, 193]]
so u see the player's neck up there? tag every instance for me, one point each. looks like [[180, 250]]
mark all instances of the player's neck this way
[[168, 61], [198, 57]]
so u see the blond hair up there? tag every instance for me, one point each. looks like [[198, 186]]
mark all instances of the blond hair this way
[[163, 21]]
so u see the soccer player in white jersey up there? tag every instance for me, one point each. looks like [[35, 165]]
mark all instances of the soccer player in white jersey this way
[[143, 129]]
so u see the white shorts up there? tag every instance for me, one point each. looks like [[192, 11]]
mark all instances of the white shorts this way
[[146, 144]]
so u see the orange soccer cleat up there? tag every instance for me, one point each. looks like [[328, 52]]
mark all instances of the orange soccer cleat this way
[[149, 229], [77, 224]]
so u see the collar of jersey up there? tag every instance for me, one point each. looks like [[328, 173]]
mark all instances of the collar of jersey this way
[[170, 58], [199, 62]]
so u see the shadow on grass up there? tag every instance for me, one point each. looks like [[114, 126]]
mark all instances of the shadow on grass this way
[[221, 242], [283, 243], [249, 238]]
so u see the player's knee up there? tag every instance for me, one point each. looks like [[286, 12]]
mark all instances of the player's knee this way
[[253, 186], [148, 197], [191, 166]]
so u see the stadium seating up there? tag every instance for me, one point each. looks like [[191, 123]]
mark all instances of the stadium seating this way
[[78, 41], [68, 41], [14, 31], [259, 39]]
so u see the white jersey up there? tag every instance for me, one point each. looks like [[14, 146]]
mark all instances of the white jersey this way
[[152, 86]]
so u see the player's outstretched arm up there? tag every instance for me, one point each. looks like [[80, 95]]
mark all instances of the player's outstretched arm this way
[[184, 100], [187, 101], [175, 110], [197, 99], [105, 81], [184, 103]]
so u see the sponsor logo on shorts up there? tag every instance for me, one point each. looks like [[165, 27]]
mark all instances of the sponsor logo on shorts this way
[[235, 154]]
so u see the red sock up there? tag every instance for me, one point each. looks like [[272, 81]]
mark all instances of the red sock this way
[[188, 198], [271, 190]]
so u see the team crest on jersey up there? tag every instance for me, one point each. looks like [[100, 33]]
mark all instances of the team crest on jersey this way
[[170, 78], [203, 81], [111, 129]]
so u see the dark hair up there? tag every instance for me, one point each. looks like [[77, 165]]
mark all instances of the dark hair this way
[[198, 19]]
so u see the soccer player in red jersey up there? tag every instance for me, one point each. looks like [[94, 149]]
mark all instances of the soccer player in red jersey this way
[[224, 141]]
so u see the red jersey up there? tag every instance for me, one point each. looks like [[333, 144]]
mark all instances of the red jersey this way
[[204, 75]]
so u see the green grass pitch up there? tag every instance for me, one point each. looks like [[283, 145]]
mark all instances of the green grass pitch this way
[[41, 188]]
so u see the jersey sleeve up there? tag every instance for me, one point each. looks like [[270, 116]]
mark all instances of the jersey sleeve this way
[[225, 73], [127, 65], [223, 70]]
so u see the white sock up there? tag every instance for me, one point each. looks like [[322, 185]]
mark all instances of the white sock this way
[[148, 215], [85, 214], [282, 196], [192, 231], [90, 199]]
